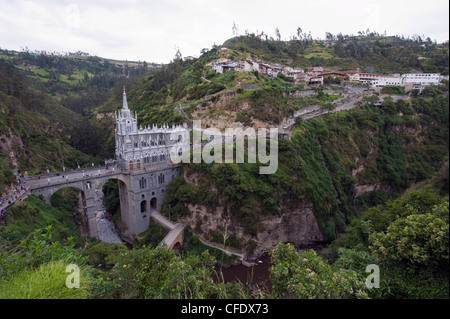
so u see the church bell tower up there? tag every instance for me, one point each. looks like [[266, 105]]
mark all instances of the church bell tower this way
[[126, 128]]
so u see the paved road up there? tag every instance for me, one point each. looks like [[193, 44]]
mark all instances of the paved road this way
[[351, 104], [349, 101]]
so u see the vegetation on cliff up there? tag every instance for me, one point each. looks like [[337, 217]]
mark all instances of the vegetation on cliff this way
[[396, 145]]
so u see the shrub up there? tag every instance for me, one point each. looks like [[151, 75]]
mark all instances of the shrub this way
[[160, 273], [308, 276], [418, 240], [395, 90], [103, 254]]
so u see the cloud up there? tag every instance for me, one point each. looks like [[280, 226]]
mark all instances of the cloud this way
[[150, 30]]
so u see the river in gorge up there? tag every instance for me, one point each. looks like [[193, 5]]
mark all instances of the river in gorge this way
[[106, 230], [257, 275], [254, 275]]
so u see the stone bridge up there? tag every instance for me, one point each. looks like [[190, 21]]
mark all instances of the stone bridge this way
[[141, 193], [175, 235]]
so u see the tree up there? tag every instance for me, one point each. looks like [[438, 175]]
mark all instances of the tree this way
[[299, 33], [277, 34], [178, 55], [197, 69], [418, 240], [308, 276], [329, 36], [414, 93], [299, 120], [235, 29], [160, 273], [327, 106]]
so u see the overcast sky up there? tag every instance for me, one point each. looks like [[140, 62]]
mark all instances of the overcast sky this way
[[151, 30]]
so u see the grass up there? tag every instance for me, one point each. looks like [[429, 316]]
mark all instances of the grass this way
[[216, 112], [43, 75], [47, 282], [33, 213], [38, 71], [304, 102], [76, 76], [319, 54]]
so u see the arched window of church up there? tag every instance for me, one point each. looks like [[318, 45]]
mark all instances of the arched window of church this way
[[161, 179]]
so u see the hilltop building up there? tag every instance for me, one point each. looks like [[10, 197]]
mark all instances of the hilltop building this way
[[388, 80], [316, 75], [421, 78]]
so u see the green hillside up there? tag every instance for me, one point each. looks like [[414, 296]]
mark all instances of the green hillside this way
[[34, 128], [372, 53], [77, 82]]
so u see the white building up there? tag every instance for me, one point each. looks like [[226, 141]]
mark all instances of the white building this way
[[138, 147], [387, 80], [421, 78]]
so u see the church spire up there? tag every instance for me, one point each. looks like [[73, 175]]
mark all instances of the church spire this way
[[125, 103]]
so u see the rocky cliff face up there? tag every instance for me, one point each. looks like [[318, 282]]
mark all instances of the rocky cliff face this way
[[10, 144], [298, 226]]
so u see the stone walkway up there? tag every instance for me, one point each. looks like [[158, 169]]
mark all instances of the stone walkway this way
[[162, 220]]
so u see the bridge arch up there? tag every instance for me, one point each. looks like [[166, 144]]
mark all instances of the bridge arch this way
[[88, 188], [154, 203]]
